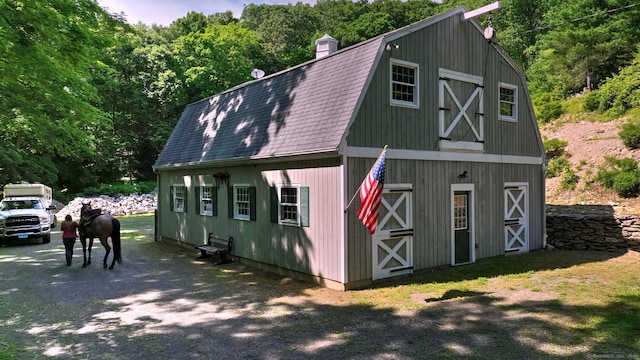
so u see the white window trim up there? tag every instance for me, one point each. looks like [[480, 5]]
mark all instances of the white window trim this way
[[237, 215], [202, 199], [416, 103], [175, 197], [298, 209], [513, 118]]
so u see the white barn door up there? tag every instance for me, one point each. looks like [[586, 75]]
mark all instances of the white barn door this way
[[393, 240], [516, 217]]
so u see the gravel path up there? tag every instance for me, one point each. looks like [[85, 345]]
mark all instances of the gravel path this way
[[163, 303]]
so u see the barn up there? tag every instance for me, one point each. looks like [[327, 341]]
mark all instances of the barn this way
[[274, 162]]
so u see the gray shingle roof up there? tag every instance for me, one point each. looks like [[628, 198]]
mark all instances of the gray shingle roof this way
[[302, 110]]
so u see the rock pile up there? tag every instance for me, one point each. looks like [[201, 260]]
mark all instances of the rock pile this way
[[116, 206]]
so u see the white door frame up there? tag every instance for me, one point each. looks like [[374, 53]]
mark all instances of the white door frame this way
[[519, 235], [403, 235], [470, 188]]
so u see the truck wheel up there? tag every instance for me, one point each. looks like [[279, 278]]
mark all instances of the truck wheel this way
[[46, 239]]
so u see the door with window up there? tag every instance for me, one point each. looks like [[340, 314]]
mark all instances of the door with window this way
[[462, 234], [516, 217], [393, 240]]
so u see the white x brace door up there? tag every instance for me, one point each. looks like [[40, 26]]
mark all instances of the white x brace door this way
[[393, 240], [516, 217], [461, 111]]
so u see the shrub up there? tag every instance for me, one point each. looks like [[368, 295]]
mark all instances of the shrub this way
[[620, 175], [591, 101], [630, 134], [627, 184], [569, 180], [120, 188], [557, 166], [554, 147], [547, 110]]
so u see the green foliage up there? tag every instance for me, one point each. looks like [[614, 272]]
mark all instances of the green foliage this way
[[554, 147], [581, 54], [569, 179], [557, 166], [87, 99], [121, 188], [630, 134], [620, 175], [619, 94], [547, 107]]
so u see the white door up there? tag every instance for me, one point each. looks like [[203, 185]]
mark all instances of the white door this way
[[516, 217], [393, 240]]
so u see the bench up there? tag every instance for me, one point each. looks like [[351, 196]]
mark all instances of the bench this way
[[218, 246]]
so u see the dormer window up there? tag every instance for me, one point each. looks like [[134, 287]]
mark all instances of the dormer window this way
[[404, 83]]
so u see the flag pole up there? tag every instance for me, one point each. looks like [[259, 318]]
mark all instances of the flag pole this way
[[357, 191]]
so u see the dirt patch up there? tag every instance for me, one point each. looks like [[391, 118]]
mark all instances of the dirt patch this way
[[588, 145]]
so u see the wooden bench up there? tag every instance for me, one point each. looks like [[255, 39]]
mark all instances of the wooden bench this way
[[218, 246]]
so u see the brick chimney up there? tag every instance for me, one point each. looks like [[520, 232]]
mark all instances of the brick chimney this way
[[326, 45]]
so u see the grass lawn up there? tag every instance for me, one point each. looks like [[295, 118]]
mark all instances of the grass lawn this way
[[562, 303]]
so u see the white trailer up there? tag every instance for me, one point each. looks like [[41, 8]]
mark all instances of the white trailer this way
[[22, 190]]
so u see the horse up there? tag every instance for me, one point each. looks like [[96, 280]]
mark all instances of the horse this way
[[92, 225]]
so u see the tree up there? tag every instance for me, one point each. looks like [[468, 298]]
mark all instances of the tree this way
[[48, 103], [286, 34], [215, 60], [586, 42]]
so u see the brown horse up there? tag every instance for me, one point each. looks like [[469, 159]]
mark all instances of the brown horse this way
[[93, 224]]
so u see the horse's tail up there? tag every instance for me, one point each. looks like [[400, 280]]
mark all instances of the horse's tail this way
[[115, 238]]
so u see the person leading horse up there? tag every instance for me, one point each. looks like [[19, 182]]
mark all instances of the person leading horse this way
[[94, 224]]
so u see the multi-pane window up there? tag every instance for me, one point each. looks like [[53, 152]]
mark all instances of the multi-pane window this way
[[289, 205], [508, 102], [242, 203], [206, 200], [460, 211], [404, 83], [179, 198]]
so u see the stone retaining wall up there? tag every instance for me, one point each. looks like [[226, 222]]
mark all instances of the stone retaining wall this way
[[593, 231]]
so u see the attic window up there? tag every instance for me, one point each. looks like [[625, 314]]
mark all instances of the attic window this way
[[508, 102], [404, 83]]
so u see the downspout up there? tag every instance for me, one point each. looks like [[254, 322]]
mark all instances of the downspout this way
[[345, 231], [156, 225], [545, 166]]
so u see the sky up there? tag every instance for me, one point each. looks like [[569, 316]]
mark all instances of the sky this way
[[164, 12]]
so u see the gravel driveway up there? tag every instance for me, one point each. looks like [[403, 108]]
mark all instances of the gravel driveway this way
[[163, 303]]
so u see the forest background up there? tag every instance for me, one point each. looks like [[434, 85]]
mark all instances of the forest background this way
[[87, 99]]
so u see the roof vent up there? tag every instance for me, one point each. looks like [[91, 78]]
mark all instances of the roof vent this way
[[326, 45]]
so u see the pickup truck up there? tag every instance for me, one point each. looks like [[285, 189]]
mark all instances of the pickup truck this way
[[25, 218]]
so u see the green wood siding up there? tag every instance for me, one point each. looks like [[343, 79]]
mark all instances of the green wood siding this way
[[431, 208], [454, 45]]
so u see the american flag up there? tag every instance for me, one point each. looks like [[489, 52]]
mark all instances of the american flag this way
[[371, 192]]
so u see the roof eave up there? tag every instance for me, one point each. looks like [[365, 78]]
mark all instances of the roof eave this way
[[254, 160]]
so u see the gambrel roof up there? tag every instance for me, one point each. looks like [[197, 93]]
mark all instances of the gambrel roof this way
[[303, 110]]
